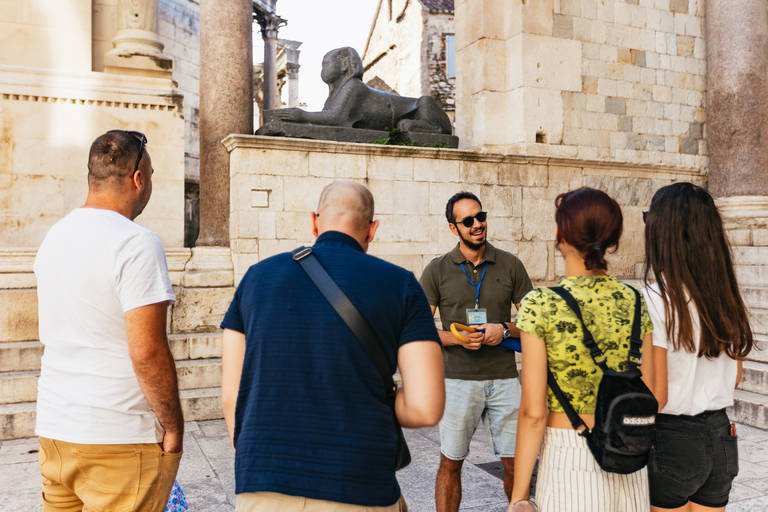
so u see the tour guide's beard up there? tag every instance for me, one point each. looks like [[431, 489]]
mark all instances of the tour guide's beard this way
[[469, 243]]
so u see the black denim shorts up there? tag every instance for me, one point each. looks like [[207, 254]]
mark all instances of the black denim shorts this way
[[694, 459]]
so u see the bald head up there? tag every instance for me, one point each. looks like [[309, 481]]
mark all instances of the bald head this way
[[346, 203]]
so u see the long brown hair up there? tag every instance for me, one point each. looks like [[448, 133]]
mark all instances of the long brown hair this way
[[591, 222], [686, 249]]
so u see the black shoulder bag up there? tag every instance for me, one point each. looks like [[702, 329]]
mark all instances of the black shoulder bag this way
[[362, 330], [625, 411]]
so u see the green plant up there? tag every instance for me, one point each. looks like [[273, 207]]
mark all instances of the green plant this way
[[395, 138]]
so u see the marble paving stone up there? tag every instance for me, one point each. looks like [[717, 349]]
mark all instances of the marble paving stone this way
[[20, 500], [752, 452], [194, 465], [22, 475], [19, 450], [212, 428], [753, 505]]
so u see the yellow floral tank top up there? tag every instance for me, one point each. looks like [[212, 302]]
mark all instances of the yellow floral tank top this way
[[608, 309]]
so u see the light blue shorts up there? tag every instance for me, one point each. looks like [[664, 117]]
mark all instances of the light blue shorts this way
[[496, 402]]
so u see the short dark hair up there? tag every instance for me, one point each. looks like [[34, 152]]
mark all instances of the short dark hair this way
[[591, 222], [112, 155], [455, 199]]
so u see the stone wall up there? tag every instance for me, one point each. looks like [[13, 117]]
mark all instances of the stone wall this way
[[179, 31], [591, 79], [441, 87], [395, 49], [276, 183]]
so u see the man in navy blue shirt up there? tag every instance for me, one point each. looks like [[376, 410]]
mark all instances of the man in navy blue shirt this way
[[304, 403]]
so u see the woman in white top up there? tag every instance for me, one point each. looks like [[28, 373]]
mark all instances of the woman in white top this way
[[701, 335]]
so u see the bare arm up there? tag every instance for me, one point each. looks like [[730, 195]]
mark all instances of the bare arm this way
[[448, 339], [660, 383], [156, 370], [647, 364], [532, 418], [740, 367], [421, 400], [232, 356]]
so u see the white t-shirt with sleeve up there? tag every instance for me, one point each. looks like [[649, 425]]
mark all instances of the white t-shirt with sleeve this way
[[696, 384], [93, 266]]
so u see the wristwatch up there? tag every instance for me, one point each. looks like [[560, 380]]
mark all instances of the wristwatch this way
[[506, 331]]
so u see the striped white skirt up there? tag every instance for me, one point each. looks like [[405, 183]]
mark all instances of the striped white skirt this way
[[569, 479]]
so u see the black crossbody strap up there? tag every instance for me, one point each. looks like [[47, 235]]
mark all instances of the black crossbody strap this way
[[348, 312], [636, 341], [589, 340], [573, 416]]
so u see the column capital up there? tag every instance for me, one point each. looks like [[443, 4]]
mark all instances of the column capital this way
[[293, 70], [270, 24]]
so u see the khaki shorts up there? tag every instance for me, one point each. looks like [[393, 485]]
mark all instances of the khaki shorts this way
[[275, 502], [115, 477]]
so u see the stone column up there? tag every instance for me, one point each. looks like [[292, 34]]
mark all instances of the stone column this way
[[138, 50], [293, 85], [737, 97], [270, 24], [226, 105]]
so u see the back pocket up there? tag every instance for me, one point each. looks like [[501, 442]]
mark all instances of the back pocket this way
[[679, 457], [111, 480], [731, 446]]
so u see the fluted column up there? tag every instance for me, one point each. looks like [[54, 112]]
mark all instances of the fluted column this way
[[737, 97], [226, 105], [138, 50], [270, 24]]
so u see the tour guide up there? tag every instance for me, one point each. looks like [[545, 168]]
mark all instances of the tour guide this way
[[475, 284], [310, 426]]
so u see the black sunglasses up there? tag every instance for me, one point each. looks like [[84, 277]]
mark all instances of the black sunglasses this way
[[470, 221], [143, 142]]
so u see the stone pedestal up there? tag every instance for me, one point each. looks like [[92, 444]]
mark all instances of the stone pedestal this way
[[226, 105], [209, 267], [138, 50], [737, 97]]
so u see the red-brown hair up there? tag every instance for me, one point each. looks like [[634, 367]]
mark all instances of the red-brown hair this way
[[591, 222]]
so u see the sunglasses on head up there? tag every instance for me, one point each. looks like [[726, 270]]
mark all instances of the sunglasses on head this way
[[143, 142], [470, 221]]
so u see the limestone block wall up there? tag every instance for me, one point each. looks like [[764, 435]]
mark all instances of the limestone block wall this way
[[592, 79], [179, 31], [44, 34], [434, 73], [48, 120], [395, 48], [276, 183]]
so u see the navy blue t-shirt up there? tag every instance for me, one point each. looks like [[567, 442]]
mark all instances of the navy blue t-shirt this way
[[311, 419]]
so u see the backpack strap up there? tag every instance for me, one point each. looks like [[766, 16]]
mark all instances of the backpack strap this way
[[589, 341], [636, 341], [573, 416]]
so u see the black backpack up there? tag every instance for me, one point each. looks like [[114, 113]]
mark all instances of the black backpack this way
[[625, 412]]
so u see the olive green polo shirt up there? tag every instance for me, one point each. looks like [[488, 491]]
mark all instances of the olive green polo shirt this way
[[505, 283]]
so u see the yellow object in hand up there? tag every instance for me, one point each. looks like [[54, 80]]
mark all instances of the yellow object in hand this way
[[456, 327]]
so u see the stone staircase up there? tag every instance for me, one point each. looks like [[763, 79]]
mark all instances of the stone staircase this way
[[751, 399], [198, 365]]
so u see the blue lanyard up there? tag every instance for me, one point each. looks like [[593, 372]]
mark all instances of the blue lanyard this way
[[476, 286]]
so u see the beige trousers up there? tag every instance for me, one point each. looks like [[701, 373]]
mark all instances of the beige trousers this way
[[274, 502], [114, 477]]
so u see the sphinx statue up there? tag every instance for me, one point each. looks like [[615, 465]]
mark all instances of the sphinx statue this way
[[355, 112]]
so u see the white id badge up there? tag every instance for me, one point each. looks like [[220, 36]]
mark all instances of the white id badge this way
[[476, 316]]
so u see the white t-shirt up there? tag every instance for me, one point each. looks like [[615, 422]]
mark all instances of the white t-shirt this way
[[696, 384], [94, 266]]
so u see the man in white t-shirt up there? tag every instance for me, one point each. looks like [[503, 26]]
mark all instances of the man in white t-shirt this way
[[108, 411]]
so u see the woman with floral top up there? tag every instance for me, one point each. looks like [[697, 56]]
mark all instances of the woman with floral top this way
[[589, 223]]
